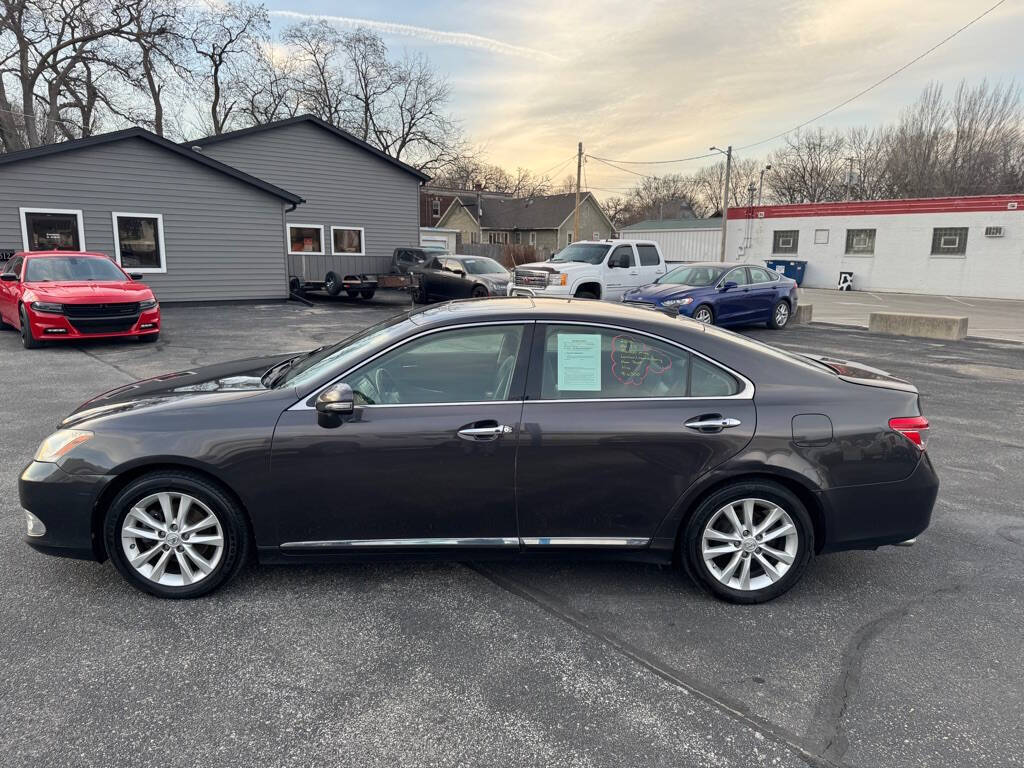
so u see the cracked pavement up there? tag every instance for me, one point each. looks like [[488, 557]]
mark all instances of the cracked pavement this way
[[899, 657]]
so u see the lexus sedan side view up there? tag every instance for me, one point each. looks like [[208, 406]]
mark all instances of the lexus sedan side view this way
[[489, 428], [73, 295], [722, 294]]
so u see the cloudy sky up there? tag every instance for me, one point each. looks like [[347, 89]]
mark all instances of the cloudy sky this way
[[655, 80]]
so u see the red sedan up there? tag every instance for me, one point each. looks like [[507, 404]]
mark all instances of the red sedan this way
[[51, 295]]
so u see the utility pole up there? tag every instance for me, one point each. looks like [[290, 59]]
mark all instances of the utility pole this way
[[576, 212], [725, 195], [849, 176], [760, 183]]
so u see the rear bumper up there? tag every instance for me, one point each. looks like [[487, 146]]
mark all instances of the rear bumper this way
[[65, 504], [871, 516]]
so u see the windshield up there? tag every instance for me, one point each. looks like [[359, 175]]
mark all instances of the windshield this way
[[691, 276], [482, 266], [590, 253], [344, 352], [72, 268]]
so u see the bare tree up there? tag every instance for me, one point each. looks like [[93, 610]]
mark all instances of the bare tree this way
[[319, 77], [223, 37], [371, 79], [269, 87], [917, 148], [809, 168], [156, 62]]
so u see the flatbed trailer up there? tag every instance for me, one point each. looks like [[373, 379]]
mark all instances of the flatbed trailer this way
[[355, 286]]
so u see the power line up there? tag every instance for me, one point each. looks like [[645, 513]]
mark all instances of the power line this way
[[558, 165], [827, 112], [619, 167]]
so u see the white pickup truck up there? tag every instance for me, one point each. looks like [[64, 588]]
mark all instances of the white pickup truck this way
[[591, 269]]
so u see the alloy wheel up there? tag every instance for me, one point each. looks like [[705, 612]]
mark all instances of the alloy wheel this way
[[172, 538], [702, 315], [781, 314], [749, 544]]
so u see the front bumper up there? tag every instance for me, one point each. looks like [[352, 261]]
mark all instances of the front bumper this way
[[871, 516], [50, 326], [65, 504], [550, 292]]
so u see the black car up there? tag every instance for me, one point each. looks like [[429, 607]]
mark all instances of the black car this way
[[492, 428], [460, 277]]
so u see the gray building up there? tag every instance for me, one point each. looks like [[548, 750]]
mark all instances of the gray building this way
[[197, 229], [224, 218], [359, 203]]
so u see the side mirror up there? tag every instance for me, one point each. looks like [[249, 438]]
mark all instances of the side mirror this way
[[729, 285], [135, 275], [459, 272], [9, 277], [333, 403]]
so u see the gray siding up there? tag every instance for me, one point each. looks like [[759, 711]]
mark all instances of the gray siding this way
[[343, 185], [223, 238]]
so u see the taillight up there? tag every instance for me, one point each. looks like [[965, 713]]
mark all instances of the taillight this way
[[914, 428]]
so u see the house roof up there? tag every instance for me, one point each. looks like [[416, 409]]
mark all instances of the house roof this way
[[541, 212], [152, 138], [651, 225], [341, 134]]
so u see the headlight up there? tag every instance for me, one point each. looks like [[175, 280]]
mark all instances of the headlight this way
[[36, 527], [678, 302], [147, 303], [48, 306], [558, 278], [60, 443]]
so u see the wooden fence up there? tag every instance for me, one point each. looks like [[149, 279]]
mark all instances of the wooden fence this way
[[508, 255]]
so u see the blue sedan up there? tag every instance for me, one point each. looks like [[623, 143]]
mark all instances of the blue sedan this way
[[721, 294]]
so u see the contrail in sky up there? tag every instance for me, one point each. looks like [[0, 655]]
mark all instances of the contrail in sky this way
[[462, 39]]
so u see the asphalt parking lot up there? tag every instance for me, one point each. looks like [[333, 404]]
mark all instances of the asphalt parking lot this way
[[900, 657]]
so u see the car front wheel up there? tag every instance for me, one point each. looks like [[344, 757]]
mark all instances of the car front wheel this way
[[703, 314], [28, 341], [175, 534], [748, 542]]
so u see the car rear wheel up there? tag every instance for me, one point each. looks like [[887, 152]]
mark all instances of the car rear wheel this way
[[780, 315], [27, 339], [748, 542], [704, 314], [332, 284], [175, 534]]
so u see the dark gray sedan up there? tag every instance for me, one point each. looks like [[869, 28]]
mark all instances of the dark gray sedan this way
[[460, 277], [492, 428]]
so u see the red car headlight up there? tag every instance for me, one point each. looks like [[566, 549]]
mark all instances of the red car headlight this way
[[147, 304]]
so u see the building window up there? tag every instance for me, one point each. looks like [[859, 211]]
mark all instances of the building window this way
[[306, 238], [474, 237], [139, 241], [533, 238], [519, 238], [568, 238], [51, 229], [596, 236], [435, 208], [497, 238], [785, 240], [860, 241], [347, 241], [949, 241], [821, 237]]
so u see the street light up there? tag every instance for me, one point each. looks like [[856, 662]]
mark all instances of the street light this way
[[760, 184], [725, 194]]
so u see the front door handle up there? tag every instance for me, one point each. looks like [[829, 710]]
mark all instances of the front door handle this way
[[712, 422], [478, 434]]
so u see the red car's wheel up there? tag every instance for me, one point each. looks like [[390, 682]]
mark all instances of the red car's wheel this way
[[27, 339]]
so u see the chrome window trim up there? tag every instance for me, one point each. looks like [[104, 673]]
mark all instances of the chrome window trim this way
[[585, 541], [746, 393], [471, 541], [300, 405], [722, 280]]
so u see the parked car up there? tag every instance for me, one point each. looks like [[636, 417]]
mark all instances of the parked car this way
[[489, 428], [459, 277], [405, 260], [722, 294], [61, 295], [591, 269]]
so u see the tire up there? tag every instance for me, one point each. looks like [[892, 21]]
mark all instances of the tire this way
[[207, 498], [704, 311], [367, 293], [584, 293], [352, 294], [762, 496], [480, 292], [419, 296], [150, 338], [27, 340], [780, 315], [332, 284]]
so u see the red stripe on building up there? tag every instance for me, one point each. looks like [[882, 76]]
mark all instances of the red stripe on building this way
[[883, 207]]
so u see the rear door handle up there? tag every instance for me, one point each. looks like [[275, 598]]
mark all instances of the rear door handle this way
[[479, 434], [710, 423]]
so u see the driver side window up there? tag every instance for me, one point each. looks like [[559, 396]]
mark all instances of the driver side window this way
[[463, 365], [622, 258]]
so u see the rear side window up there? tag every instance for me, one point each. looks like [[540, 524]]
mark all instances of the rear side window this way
[[583, 362], [758, 275], [648, 256]]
